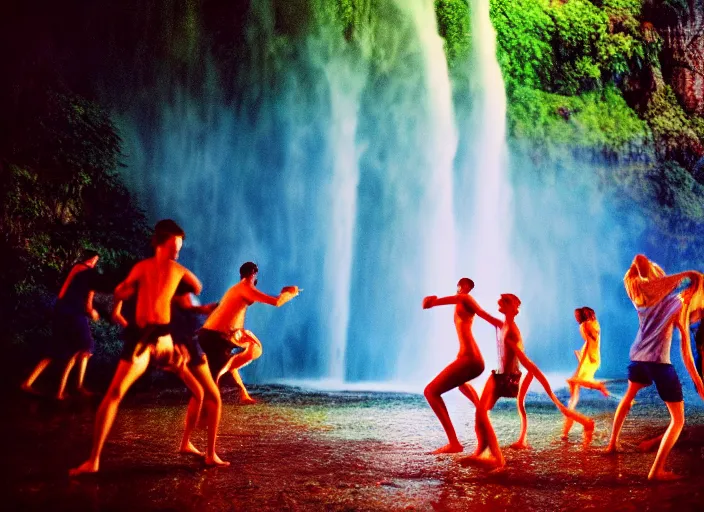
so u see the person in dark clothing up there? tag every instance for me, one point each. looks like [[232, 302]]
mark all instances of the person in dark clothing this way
[[72, 340]]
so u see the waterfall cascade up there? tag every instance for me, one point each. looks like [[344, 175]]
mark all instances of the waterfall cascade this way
[[487, 223], [338, 160]]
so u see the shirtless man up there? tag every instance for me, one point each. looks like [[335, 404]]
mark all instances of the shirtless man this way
[[226, 343], [505, 383], [468, 365], [660, 308], [154, 281]]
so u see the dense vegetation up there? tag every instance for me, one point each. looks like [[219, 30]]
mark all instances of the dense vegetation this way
[[60, 193], [592, 76]]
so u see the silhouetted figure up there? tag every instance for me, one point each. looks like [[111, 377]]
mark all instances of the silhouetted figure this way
[[223, 337], [660, 308], [468, 365], [72, 339]]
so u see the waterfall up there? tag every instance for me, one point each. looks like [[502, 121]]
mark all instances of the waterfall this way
[[345, 89], [440, 146], [486, 223]]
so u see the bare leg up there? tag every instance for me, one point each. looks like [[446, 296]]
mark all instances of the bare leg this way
[[572, 405], [252, 352], [522, 442], [467, 390], [587, 423], [194, 407], [82, 365], [126, 374], [650, 445], [624, 407], [454, 375], [591, 384], [486, 437], [657, 472], [212, 405], [41, 366], [61, 394]]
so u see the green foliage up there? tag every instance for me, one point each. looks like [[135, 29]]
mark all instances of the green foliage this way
[[677, 201], [60, 194], [524, 29], [676, 136], [599, 120], [453, 26]]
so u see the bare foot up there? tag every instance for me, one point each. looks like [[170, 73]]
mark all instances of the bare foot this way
[[61, 396], [649, 445], [247, 401], [612, 449], [87, 467], [189, 448], [489, 463], [28, 389], [448, 448], [604, 391], [664, 476], [215, 461], [85, 392], [588, 435], [521, 445]]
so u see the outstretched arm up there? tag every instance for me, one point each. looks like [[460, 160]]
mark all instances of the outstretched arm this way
[[432, 300], [185, 302], [287, 293], [533, 369], [483, 314]]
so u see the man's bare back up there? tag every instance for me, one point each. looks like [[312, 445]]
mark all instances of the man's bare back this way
[[155, 283], [230, 313]]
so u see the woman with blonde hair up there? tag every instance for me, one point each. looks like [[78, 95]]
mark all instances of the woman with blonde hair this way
[[660, 307]]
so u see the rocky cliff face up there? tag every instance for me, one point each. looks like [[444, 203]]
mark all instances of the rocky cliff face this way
[[683, 52]]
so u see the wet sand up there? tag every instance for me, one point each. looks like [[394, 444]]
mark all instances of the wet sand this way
[[308, 450]]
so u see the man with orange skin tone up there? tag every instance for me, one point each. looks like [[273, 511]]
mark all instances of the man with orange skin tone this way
[[496, 387], [660, 309], [154, 281], [589, 358], [195, 373], [468, 365], [223, 337], [71, 313]]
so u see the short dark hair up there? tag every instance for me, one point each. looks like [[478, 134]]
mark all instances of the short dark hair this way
[[586, 313], [514, 299], [88, 254], [248, 269], [465, 281], [164, 230]]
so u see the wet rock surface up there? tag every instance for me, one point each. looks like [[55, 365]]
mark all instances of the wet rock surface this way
[[310, 450]]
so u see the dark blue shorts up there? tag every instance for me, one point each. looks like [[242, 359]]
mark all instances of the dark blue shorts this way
[[71, 333], [195, 352], [664, 376], [217, 348]]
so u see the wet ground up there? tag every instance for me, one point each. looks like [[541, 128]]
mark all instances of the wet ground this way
[[310, 450]]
